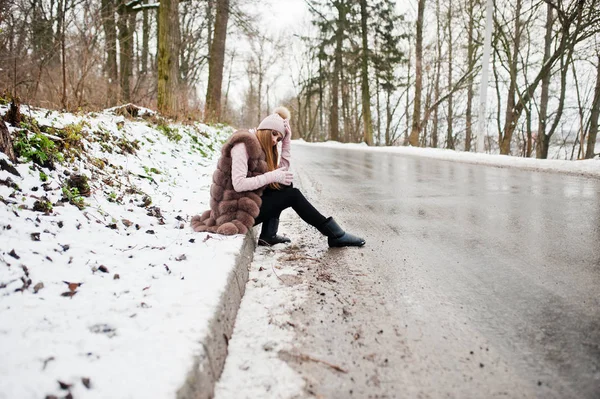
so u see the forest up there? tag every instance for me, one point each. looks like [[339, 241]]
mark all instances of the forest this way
[[380, 72]]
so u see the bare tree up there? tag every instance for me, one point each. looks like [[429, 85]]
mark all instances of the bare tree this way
[[595, 115], [366, 96], [416, 118], [168, 51], [110, 45], [216, 62], [578, 21]]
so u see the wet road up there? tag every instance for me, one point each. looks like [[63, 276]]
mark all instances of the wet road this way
[[476, 281]]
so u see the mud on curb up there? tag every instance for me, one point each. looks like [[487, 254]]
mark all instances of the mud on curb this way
[[208, 365]]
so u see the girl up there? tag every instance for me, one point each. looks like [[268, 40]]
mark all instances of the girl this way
[[249, 187]]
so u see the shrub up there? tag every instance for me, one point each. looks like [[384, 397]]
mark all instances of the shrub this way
[[38, 148], [71, 195]]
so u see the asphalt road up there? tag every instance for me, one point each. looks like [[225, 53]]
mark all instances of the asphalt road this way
[[475, 282]]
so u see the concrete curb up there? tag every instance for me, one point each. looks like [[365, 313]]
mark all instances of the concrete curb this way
[[208, 365]]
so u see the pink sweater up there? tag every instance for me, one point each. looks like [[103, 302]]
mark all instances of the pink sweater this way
[[239, 167]]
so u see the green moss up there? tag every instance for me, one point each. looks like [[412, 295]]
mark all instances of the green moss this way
[[169, 132]]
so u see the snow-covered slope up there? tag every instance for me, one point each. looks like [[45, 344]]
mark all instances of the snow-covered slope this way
[[103, 286]]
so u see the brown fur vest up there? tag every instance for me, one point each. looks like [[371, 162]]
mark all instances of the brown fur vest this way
[[232, 212]]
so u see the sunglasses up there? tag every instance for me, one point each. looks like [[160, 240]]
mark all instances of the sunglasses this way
[[279, 136]]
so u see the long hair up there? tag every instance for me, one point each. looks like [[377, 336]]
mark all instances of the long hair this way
[[270, 150]]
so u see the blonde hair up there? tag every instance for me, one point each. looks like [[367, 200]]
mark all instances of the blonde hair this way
[[270, 150]]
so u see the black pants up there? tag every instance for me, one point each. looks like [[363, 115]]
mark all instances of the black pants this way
[[275, 201]]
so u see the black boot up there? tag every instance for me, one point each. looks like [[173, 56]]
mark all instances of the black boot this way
[[268, 234], [338, 237]]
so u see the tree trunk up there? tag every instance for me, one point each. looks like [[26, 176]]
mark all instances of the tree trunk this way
[[511, 118], [470, 61], [542, 140], [567, 42], [366, 96], [209, 22], [407, 105], [334, 116], [321, 79], [110, 40], [438, 68], [145, 39], [594, 117], [416, 118], [168, 55], [450, 118], [125, 51], [378, 105], [216, 62], [528, 146], [6, 144], [62, 27]]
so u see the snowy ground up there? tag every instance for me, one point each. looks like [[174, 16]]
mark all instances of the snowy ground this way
[[111, 300]]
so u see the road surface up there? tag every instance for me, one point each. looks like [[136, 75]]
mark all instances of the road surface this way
[[476, 281]]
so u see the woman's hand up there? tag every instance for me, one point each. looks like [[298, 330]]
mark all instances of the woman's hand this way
[[288, 130], [282, 176]]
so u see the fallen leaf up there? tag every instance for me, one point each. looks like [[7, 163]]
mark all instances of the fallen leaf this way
[[35, 236], [127, 223], [38, 287], [181, 257], [150, 231], [86, 382], [64, 385], [103, 269], [69, 293], [65, 247], [72, 286], [14, 254], [116, 277], [167, 269], [145, 288], [192, 240]]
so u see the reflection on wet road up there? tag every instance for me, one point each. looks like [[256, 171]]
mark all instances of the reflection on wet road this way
[[474, 259]]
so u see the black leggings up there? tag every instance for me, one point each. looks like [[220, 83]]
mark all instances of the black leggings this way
[[275, 201]]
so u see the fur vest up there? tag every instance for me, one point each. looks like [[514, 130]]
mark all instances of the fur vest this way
[[232, 212]]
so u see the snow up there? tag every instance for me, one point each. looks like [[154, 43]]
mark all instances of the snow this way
[[253, 368], [132, 330], [147, 289]]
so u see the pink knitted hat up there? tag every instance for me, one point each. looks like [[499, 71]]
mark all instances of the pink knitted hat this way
[[279, 120]]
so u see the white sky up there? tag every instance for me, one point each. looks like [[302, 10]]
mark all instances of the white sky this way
[[286, 18]]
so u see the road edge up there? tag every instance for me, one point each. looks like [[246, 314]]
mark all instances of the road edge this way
[[208, 365]]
